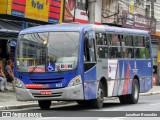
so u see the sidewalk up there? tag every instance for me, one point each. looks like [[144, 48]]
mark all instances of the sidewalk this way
[[8, 99]]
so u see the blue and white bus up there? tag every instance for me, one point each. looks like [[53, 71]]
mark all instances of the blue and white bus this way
[[82, 62]]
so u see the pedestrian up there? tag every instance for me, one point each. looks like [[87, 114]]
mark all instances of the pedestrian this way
[[3, 80], [9, 72]]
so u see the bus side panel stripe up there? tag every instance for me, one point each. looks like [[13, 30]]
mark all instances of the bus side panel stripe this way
[[115, 88], [126, 83], [120, 91]]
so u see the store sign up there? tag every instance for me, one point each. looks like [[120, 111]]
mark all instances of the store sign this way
[[37, 9], [131, 7], [137, 21], [42, 10]]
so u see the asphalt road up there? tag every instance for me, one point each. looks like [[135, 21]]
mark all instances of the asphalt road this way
[[147, 105]]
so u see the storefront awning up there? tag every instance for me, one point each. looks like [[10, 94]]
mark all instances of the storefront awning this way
[[8, 34], [9, 30]]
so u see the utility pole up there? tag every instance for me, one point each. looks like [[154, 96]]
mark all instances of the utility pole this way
[[91, 11], [152, 11]]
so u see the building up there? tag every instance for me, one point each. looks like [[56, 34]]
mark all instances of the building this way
[[135, 14]]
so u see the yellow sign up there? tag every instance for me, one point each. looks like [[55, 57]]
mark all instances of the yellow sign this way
[[37, 9], [158, 56], [131, 7], [3, 6], [44, 10]]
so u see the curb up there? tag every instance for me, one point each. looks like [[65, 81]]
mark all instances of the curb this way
[[9, 107], [150, 93]]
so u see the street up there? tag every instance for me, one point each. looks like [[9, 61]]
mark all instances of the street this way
[[147, 104]]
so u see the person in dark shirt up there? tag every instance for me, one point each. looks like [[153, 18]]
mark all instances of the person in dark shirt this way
[[9, 72]]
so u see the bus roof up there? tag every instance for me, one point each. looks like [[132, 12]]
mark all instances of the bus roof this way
[[80, 27]]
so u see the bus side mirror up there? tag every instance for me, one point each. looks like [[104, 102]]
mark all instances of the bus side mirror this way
[[10, 43]]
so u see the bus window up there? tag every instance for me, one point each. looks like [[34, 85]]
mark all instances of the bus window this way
[[89, 49], [139, 45], [139, 41], [92, 50], [101, 39], [102, 49], [147, 52], [114, 46], [127, 46], [102, 52]]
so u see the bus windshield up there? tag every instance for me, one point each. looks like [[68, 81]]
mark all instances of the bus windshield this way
[[47, 52]]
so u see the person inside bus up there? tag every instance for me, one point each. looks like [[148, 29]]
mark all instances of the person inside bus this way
[[3, 81], [9, 72], [114, 50]]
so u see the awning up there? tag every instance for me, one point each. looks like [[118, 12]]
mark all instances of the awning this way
[[10, 25], [9, 30], [8, 34]]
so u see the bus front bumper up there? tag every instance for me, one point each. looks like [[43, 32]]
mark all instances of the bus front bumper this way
[[68, 93]]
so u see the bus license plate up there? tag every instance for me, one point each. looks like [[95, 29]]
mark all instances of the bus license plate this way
[[46, 92]]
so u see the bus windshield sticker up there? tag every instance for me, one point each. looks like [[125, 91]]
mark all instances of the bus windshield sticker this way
[[65, 66], [51, 67]]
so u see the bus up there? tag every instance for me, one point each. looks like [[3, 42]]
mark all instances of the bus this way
[[83, 63]]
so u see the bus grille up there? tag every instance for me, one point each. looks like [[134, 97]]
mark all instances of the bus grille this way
[[46, 80], [38, 95]]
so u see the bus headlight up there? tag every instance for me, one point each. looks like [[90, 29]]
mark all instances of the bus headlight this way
[[19, 83], [75, 81]]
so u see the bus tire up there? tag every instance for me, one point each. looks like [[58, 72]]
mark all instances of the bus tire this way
[[98, 103], [134, 96], [45, 104]]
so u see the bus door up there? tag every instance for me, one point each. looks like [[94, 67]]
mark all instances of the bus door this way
[[89, 66]]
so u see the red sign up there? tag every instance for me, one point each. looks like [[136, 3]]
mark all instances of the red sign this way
[[37, 86]]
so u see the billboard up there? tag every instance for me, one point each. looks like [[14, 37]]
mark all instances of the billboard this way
[[138, 21], [42, 10], [75, 11]]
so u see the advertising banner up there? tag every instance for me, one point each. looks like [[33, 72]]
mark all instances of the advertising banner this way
[[75, 11]]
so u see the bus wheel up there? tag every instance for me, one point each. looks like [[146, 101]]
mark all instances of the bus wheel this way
[[134, 96], [45, 104], [98, 103]]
